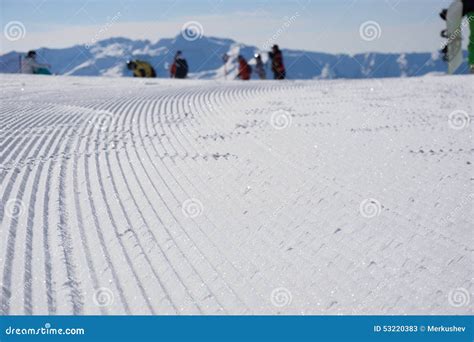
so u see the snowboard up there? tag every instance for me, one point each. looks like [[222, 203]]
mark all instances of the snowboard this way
[[453, 33]]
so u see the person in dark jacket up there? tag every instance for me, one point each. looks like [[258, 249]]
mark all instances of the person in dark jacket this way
[[179, 68], [278, 67], [245, 71]]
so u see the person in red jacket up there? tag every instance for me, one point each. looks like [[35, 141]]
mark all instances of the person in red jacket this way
[[245, 70], [278, 68]]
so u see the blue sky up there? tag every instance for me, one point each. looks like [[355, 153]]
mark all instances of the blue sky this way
[[320, 25]]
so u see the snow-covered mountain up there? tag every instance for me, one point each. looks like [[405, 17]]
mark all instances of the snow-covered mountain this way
[[108, 57]]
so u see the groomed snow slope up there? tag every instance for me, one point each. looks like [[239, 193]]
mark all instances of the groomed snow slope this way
[[127, 196]]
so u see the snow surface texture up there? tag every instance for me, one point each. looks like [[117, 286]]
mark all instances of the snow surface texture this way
[[108, 57], [131, 196]]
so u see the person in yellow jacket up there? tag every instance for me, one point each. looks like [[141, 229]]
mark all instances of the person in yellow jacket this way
[[141, 69]]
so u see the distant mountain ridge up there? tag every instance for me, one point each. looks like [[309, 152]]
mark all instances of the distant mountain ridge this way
[[108, 57]]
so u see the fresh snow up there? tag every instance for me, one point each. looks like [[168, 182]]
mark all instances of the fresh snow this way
[[137, 196]]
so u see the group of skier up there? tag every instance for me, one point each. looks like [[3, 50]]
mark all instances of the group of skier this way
[[179, 67], [277, 66]]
